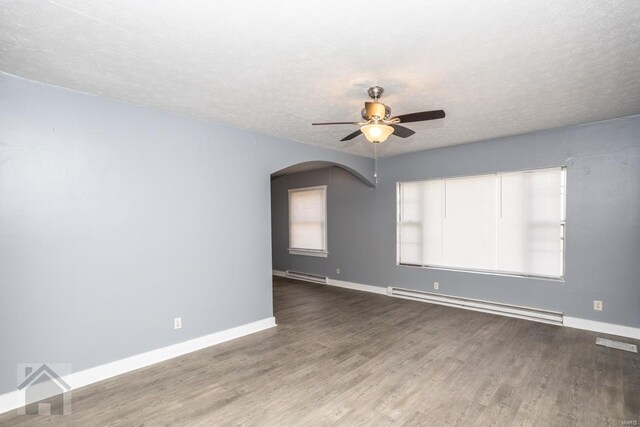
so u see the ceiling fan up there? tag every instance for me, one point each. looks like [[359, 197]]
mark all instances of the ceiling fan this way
[[379, 124]]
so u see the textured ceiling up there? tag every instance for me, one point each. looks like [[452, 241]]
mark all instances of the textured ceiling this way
[[496, 67]]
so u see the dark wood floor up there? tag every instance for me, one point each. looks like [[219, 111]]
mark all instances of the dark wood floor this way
[[351, 358]]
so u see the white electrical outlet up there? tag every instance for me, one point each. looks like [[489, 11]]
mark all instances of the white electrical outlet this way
[[436, 285], [337, 271], [597, 305], [177, 323]]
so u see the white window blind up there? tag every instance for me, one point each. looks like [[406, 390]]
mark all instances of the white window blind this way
[[511, 223], [308, 220]]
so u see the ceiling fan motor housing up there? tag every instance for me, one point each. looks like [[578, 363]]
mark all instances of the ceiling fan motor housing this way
[[375, 111]]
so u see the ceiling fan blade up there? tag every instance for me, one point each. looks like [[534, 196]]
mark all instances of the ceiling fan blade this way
[[334, 123], [351, 135], [421, 117], [402, 131]]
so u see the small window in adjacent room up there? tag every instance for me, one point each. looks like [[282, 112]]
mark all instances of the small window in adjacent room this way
[[308, 221], [503, 223]]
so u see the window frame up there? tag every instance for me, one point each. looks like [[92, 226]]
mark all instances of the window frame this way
[[562, 224], [324, 253]]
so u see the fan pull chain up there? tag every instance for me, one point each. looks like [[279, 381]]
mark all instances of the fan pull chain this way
[[375, 162]]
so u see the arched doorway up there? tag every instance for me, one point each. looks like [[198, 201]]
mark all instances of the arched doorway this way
[[309, 244]]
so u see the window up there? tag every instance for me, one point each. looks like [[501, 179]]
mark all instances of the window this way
[[505, 223], [308, 221]]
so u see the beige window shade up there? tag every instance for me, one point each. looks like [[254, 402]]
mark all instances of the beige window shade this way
[[511, 222], [308, 219]]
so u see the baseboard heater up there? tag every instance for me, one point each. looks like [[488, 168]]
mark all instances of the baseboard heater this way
[[306, 276], [537, 315]]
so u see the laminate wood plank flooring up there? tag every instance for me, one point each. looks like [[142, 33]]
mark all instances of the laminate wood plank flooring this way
[[343, 357]]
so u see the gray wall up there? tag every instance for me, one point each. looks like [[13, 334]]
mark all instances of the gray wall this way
[[603, 220], [115, 219]]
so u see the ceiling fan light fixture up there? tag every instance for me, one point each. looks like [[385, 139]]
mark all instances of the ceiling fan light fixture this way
[[376, 132], [378, 124]]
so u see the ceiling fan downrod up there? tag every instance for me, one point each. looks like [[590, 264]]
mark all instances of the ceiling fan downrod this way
[[375, 92]]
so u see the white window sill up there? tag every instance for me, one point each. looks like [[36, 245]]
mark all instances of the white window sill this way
[[320, 254], [489, 272]]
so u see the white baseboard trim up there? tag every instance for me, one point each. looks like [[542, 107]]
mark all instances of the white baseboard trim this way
[[602, 327], [570, 322], [15, 399], [357, 286], [279, 273]]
